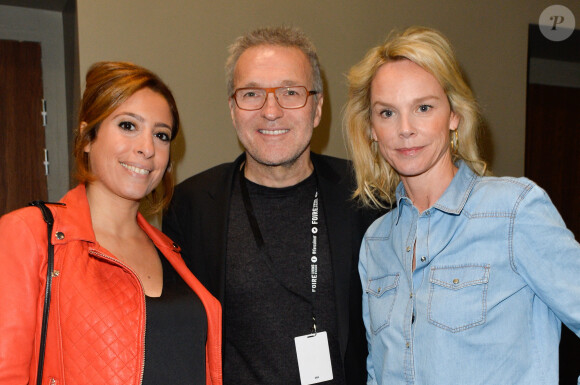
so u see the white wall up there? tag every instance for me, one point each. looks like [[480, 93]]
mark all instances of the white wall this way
[[185, 42]]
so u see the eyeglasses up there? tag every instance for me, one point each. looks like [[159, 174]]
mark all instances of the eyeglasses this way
[[254, 98]]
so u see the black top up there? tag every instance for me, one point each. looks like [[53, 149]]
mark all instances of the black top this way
[[268, 292], [175, 334], [198, 221]]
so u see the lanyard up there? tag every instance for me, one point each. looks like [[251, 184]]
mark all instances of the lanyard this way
[[313, 259]]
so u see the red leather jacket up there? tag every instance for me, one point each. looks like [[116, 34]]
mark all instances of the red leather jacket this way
[[96, 327]]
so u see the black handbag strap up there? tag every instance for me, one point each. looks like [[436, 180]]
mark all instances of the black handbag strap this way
[[49, 219]]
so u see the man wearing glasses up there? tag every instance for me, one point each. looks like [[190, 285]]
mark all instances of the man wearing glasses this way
[[274, 235]]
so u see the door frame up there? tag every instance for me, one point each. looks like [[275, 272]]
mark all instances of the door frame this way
[[555, 64], [46, 27]]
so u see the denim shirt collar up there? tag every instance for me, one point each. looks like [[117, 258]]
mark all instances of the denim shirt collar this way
[[454, 197]]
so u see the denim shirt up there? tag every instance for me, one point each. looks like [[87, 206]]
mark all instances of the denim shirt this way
[[496, 274]]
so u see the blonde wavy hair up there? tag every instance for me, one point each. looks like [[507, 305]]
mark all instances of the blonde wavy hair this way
[[376, 179]]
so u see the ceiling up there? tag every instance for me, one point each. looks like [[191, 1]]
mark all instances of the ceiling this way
[[50, 5]]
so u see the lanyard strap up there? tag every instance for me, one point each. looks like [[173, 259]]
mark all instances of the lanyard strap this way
[[314, 250], [260, 242]]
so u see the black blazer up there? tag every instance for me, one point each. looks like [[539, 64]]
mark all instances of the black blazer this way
[[197, 220]]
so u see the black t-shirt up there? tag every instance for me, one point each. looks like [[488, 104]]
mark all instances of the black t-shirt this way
[[268, 299], [175, 334]]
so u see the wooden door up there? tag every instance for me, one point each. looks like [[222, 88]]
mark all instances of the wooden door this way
[[553, 161], [22, 142], [553, 147]]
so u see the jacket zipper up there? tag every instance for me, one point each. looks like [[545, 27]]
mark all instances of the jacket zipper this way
[[116, 261]]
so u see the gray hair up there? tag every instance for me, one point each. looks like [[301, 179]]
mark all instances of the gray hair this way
[[280, 36]]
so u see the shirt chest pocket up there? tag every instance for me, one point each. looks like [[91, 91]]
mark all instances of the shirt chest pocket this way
[[457, 296], [381, 294]]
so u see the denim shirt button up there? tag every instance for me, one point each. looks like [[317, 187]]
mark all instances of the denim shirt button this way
[[411, 295], [408, 248], [423, 259], [408, 345], [455, 281]]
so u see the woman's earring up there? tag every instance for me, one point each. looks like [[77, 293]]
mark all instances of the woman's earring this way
[[454, 141]]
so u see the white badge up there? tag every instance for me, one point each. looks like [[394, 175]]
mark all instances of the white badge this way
[[313, 358]]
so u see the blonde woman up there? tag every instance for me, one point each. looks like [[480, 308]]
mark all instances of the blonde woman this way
[[468, 278]]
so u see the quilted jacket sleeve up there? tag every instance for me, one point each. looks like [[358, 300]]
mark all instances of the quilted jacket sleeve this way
[[22, 242]]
